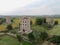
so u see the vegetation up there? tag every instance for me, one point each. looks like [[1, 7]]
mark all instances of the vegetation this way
[[39, 21], [56, 23], [9, 27], [55, 39], [8, 40], [19, 37], [41, 32]]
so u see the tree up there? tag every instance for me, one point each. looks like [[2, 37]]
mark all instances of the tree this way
[[12, 20], [44, 20], [39, 21], [56, 22], [9, 27], [34, 37], [19, 37], [31, 22], [4, 20], [31, 36], [1, 20]]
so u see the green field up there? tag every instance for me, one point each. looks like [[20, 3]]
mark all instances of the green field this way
[[7, 40], [55, 30], [27, 43], [38, 28]]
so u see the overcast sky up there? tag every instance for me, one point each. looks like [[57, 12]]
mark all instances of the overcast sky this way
[[29, 7]]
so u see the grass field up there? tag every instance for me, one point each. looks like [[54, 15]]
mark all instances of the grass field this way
[[27, 43], [38, 28], [7, 40], [55, 30]]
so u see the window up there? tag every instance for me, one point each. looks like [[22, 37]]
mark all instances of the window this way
[[25, 24]]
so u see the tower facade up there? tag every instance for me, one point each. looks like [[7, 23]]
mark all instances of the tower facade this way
[[8, 19], [25, 24], [50, 20]]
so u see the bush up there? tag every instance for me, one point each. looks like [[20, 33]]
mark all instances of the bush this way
[[44, 35], [50, 26], [19, 37], [55, 39]]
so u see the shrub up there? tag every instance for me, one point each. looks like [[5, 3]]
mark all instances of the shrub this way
[[44, 35], [19, 37], [55, 39]]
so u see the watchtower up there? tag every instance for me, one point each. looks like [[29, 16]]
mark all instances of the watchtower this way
[[25, 24]]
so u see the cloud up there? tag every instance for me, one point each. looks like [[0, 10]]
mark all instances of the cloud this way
[[37, 7], [7, 6]]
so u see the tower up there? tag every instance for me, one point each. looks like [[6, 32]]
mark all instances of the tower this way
[[8, 19], [25, 24], [50, 20]]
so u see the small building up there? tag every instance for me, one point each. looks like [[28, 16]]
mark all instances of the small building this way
[[50, 20], [8, 19], [25, 24]]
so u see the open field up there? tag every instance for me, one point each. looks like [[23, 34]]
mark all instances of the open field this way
[[55, 30], [7, 40]]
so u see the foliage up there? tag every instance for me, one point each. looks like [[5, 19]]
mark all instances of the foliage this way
[[44, 35], [3, 27], [30, 22], [19, 37], [49, 26], [9, 27], [55, 39], [8, 40], [55, 30], [39, 21], [44, 20], [37, 37], [1, 20], [12, 20], [31, 36], [56, 22]]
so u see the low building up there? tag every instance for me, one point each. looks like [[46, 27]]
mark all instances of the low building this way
[[50, 20], [8, 19]]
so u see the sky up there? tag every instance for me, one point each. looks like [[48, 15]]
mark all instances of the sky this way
[[29, 7]]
